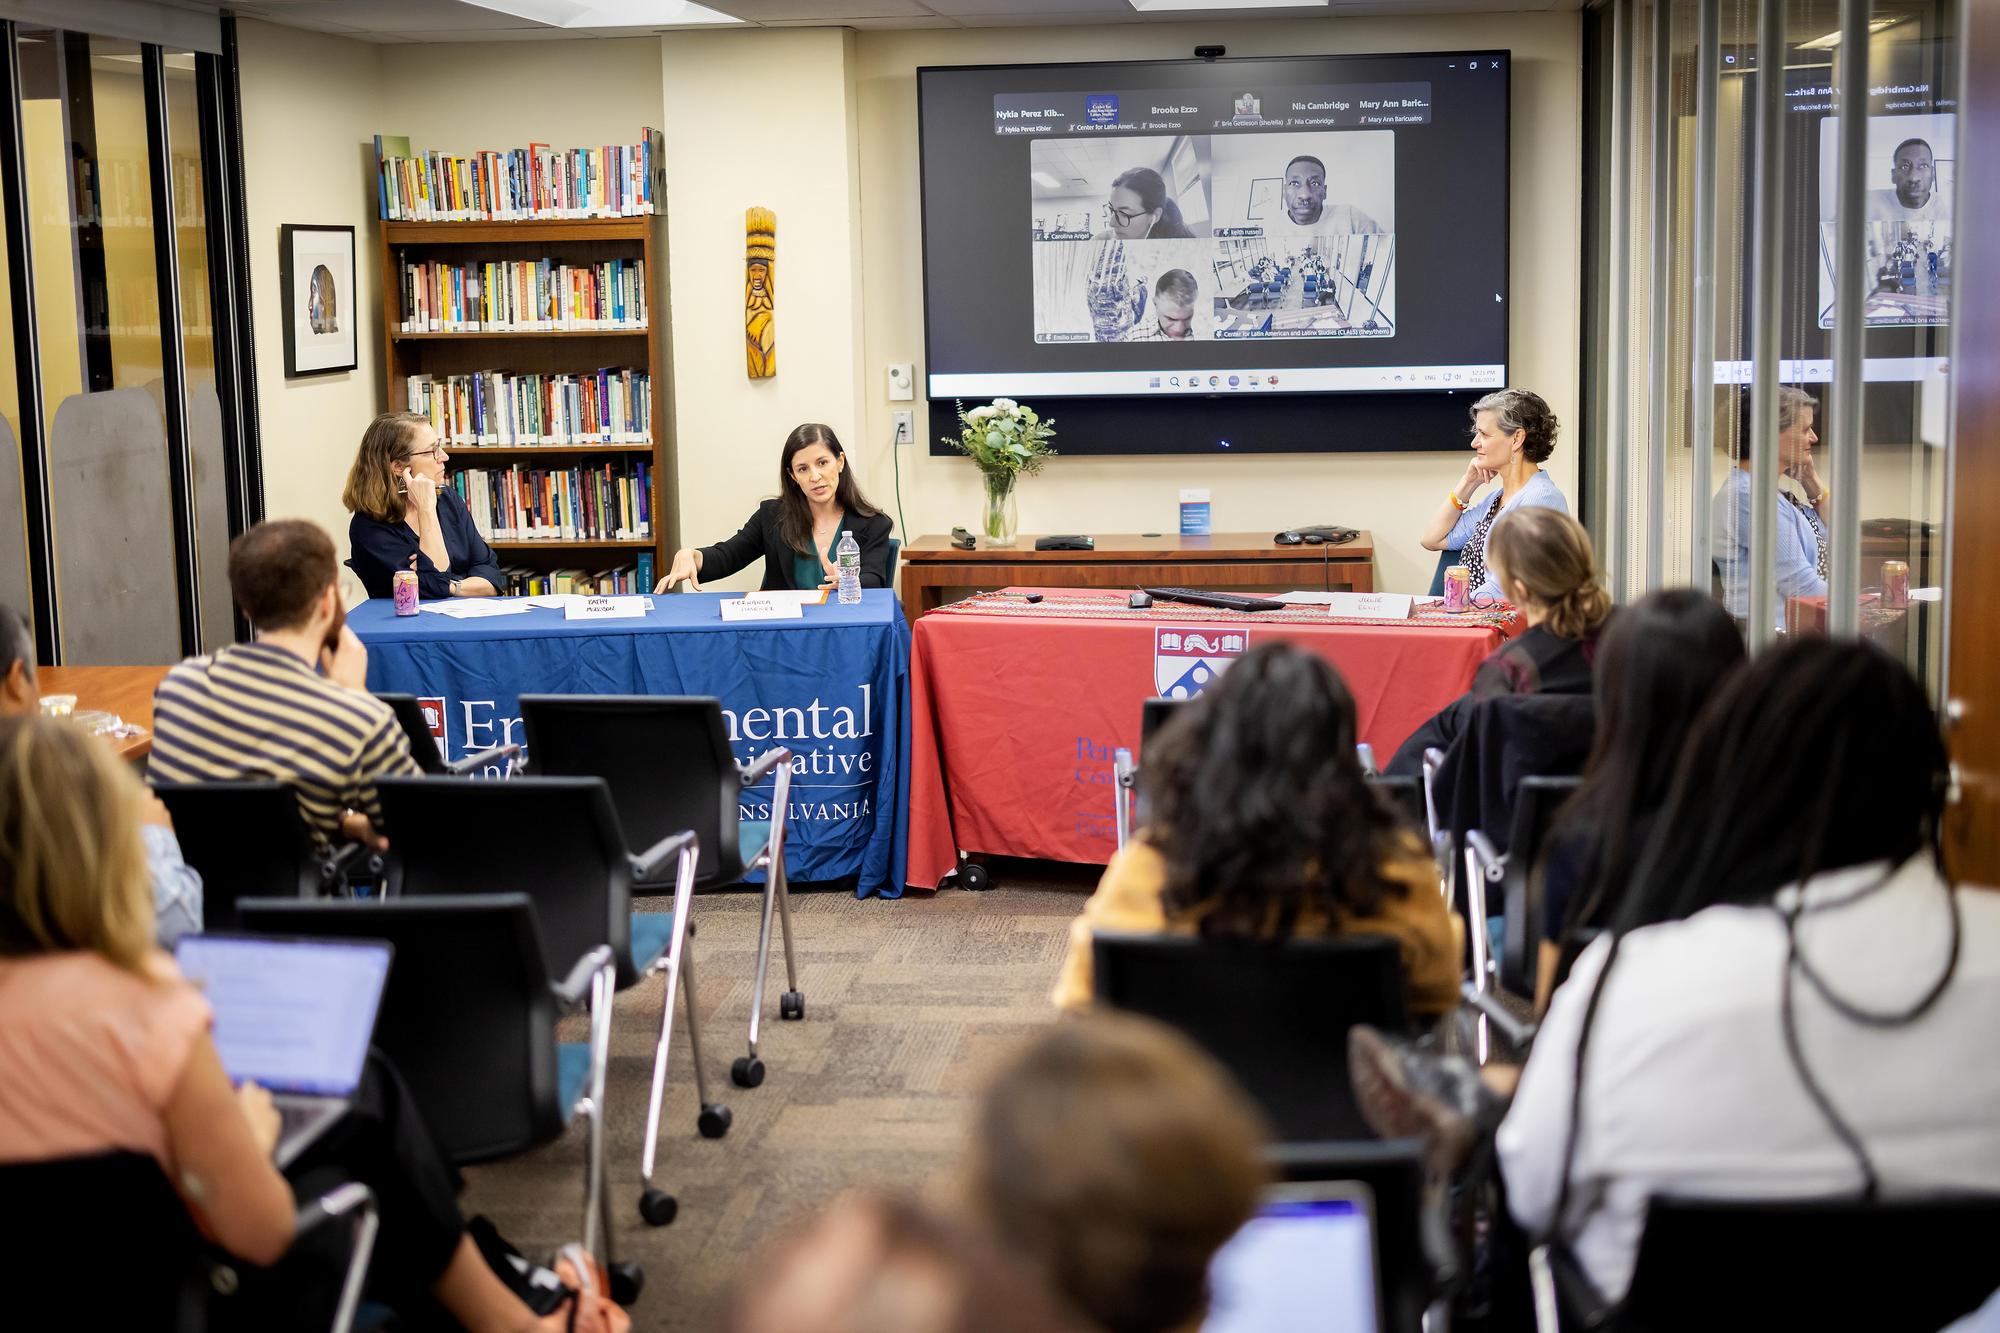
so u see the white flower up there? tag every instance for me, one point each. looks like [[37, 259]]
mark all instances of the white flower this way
[[979, 414], [1004, 404]]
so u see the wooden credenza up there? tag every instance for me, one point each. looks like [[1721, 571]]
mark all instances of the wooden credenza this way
[[933, 569]]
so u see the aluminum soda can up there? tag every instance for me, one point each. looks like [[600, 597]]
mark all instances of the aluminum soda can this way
[[1457, 589], [1895, 583], [404, 586]]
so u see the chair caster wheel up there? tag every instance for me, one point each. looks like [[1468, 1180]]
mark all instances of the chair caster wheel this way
[[972, 876], [627, 1281], [747, 1072], [713, 1122], [792, 1006], [658, 1207]]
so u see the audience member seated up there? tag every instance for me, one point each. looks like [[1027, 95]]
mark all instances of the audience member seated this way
[[1785, 977], [292, 706], [1261, 826], [1663, 658], [176, 884], [104, 1047], [879, 1264], [1547, 569], [1116, 1157]]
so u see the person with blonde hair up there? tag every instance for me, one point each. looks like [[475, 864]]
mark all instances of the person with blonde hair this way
[[407, 516], [1545, 566], [105, 1048], [1116, 1157]]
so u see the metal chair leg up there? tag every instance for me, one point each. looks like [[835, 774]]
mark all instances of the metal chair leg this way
[[785, 924], [656, 1206], [772, 877], [714, 1118]]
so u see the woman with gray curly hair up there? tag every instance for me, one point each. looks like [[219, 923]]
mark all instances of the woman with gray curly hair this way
[[1802, 544], [1513, 434]]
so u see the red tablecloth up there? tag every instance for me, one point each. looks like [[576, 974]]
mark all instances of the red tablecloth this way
[[1016, 709]]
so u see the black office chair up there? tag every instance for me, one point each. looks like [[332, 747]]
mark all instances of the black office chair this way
[[469, 1018], [247, 840], [416, 725], [1536, 801], [1275, 1014], [1913, 1265], [1413, 1245], [106, 1242], [669, 766], [570, 861], [1405, 792], [1153, 714]]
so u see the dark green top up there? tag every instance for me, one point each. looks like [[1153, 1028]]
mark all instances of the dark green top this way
[[808, 572]]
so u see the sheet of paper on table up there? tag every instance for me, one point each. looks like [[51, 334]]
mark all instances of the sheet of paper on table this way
[[798, 596], [1301, 598], [475, 608], [562, 601], [1368, 605]]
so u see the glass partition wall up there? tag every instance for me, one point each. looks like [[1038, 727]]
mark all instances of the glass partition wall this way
[[114, 491], [1773, 425]]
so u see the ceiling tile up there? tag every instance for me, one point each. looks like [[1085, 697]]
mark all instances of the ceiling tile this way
[[820, 11]]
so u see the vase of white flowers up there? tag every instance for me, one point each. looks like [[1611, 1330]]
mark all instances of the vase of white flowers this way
[[1006, 440]]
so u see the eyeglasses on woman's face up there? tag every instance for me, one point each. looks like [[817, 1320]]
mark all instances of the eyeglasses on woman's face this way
[[1124, 216], [435, 453]]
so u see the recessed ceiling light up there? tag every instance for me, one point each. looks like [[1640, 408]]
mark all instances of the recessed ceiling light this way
[[1152, 5], [1832, 39], [608, 13], [1046, 181]]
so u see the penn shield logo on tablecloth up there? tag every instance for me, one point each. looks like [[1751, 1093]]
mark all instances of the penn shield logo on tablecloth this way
[[433, 707], [1186, 661]]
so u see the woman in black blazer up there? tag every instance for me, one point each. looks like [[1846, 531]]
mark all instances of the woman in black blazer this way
[[407, 516], [796, 532]]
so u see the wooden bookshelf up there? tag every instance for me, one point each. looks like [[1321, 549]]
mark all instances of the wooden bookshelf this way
[[537, 351]]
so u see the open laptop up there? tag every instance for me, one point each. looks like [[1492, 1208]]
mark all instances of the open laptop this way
[[294, 1016], [1305, 1260]]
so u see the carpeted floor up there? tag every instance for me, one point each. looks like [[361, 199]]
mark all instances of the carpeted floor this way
[[908, 1004]]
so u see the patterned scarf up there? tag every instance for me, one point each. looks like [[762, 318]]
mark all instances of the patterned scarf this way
[[1819, 531], [1473, 557]]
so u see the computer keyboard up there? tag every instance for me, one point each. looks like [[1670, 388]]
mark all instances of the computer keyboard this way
[[1227, 601]]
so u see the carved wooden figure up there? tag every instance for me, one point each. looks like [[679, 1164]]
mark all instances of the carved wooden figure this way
[[760, 291]]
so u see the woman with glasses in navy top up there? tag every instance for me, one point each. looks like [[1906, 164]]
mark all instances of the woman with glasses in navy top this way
[[407, 517]]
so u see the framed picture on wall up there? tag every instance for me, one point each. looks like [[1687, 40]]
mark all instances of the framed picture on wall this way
[[316, 269]]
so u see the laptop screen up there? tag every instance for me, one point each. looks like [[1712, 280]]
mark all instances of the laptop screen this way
[[1306, 1260], [293, 1015]]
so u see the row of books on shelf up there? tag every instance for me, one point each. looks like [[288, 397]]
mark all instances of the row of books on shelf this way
[[517, 184], [494, 408], [635, 578], [588, 502], [523, 295]]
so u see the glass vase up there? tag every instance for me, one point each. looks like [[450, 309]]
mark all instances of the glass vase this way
[[1000, 521]]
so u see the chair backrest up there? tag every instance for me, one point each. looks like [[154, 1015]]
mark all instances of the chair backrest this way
[[1393, 1171], [1154, 714], [246, 840], [1404, 791], [1275, 1014], [666, 759], [1536, 801], [72, 1223], [417, 729], [556, 840], [1446, 559], [895, 553], [1906, 1264], [468, 1015]]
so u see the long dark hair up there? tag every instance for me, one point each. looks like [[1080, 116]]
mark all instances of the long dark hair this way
[[1818, 756], [1662, 658], [795, 523], [1258, 801]]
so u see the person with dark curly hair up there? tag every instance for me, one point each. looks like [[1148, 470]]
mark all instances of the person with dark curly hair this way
[[1263, 827], [1513, 434]]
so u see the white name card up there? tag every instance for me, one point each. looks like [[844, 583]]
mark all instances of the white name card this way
[[1370, 605], [606, 608], [760, 608]]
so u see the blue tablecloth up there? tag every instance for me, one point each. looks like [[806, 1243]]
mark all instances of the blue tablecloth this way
[[833, 686]]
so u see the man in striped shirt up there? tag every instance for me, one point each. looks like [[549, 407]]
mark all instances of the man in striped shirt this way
[[293, 706]]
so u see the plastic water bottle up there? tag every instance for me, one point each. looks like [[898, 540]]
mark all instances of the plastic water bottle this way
[[847, 556]]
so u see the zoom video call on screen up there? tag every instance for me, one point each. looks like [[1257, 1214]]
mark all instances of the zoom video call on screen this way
[[1310, 225]]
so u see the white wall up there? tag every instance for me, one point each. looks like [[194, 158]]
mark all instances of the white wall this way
[[764, 118], [1392, 494], [311, 106]]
